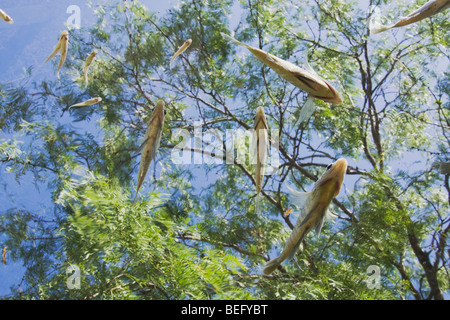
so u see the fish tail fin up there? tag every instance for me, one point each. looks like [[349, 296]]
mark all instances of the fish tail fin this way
[[135, 198], [59, 68], [270, 266], [137, 187], [376, 27], [300, 200], [373, 21], [171, 60], [232, 40], [258, 206]]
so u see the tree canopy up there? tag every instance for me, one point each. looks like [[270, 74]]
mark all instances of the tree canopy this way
[[193, 232]]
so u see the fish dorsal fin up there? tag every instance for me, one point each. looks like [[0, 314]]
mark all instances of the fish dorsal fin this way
[[309, 68], [307, 65], [300, 200], [271, 58]]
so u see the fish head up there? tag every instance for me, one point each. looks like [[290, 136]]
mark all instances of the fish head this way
[[64, 35], [334, 98], [159, 112], [333, 178], [318, 87], [260, 119]]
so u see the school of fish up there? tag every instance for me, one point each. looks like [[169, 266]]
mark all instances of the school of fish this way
[[313, 205]]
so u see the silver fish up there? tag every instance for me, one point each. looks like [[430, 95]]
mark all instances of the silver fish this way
[[87, 63], [314, 207], [152, 140], [261, 151], [304, 79], [185, 45], [63, 48], [427, 10], [87, 102], [5, 17]]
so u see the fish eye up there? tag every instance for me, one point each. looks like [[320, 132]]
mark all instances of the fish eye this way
[[329, 166]]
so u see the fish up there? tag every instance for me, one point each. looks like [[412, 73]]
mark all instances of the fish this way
[[87, 63], [261, 150], [183, 48], [64, 34], [306, 80], [87, 102], [64, 47], [4, 255], [5, 17], [313, 206], [427, 10], [151, 144]]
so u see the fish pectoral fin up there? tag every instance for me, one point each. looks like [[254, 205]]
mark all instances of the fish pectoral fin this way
[[331, 215], [141, 147], [258, 205], [299, 198], [318, 226], [307, 110], [326, 215]]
